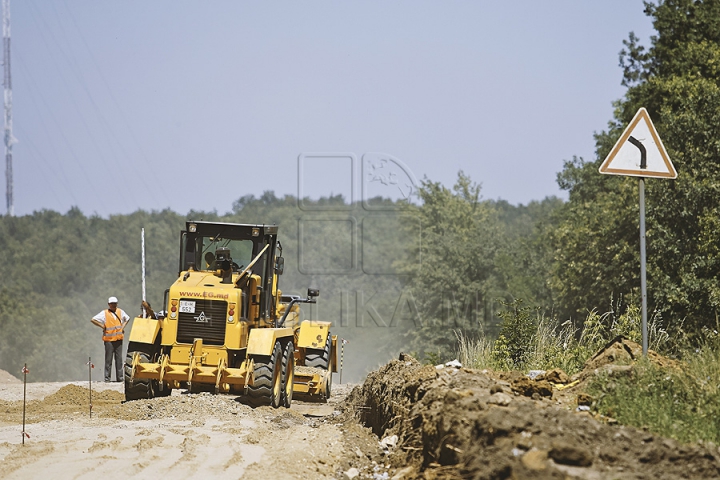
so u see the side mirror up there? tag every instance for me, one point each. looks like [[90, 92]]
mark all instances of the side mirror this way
[[313, 292], [279, 265]]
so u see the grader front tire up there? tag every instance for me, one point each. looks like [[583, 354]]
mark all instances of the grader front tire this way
[[139, 389], [267, 388]]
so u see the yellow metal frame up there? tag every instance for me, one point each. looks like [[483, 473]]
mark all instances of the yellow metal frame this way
[[313, 334], [311, 384], [220, 374]]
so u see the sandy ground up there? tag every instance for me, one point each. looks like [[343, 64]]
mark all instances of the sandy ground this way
[[181, 436]]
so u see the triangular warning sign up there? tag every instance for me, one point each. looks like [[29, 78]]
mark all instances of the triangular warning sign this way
[[639, 152]]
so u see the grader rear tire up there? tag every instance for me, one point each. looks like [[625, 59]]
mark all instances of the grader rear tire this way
[[319, 358], [267, 388], [288, 373]]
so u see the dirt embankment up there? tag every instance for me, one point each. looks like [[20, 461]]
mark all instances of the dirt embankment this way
[[461, 423]]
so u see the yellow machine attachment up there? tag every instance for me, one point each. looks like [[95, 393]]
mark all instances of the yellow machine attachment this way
[[316, 359], [199, 368]]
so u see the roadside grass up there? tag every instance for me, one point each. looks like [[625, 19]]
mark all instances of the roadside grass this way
[[475, 352], [529, 340], [681, 403]]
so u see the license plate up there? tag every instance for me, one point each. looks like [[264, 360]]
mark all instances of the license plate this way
[[187, 306]]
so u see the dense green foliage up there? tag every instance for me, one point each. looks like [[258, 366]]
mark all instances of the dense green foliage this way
[[58, 272], [474, 255], [678, 80], [60, 269]]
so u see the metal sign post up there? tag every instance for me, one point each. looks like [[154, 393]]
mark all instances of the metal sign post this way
[[640, 153], [643, 275]]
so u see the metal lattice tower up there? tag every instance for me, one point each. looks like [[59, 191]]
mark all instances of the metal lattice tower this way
[[7, 83]]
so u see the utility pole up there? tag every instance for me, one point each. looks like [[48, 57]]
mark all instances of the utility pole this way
[[7, 83]]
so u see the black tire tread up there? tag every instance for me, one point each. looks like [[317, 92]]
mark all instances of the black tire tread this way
[[288, 359], [140, 389], [261, 392]]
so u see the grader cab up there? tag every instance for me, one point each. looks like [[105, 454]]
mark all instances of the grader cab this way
[[227, 327]]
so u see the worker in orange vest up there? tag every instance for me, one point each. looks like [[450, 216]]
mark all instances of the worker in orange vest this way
[[113, 322]]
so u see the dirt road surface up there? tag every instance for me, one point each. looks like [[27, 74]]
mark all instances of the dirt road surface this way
[[182, 436]]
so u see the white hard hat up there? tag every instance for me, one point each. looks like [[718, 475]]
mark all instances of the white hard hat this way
[[112, 300]]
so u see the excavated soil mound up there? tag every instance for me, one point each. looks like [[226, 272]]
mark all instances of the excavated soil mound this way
[[67, 401], [77, 395], [618, 353], [461, 423]]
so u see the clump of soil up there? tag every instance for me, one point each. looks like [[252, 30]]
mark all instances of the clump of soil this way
[[462, 423]]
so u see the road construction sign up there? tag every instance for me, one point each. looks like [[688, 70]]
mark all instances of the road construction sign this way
[[639, 152]]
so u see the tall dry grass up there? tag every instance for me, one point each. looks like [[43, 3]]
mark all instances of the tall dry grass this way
[[552, 344]]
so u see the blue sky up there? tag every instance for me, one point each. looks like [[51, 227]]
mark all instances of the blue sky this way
[[190, 105]]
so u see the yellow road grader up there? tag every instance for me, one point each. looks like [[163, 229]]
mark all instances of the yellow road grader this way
[[227, 327]]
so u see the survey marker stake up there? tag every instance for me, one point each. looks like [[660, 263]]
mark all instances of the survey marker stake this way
[[90, 367], [25, 371], [342, 351]]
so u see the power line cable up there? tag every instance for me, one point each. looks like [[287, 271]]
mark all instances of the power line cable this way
[[31, 85], [104, 122], [75, 103], [128, 124], [35, 152]]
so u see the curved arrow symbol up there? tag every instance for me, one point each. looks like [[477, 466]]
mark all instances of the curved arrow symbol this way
[[643, 152]]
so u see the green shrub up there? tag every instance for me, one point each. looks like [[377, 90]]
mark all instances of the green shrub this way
[[529, 340], [512, 349]]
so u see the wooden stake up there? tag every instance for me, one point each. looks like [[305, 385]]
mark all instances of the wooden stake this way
[[90, 366]]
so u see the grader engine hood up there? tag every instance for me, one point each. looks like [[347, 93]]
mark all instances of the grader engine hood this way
[[201, 308], [200, 280]]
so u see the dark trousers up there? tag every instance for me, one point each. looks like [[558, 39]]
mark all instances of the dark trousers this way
[[113, 349]]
